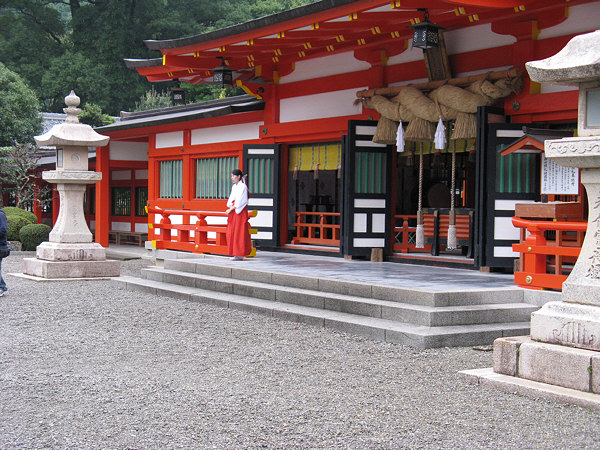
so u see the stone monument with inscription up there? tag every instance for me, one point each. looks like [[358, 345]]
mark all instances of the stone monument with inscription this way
[[70, 252], [561, 358]]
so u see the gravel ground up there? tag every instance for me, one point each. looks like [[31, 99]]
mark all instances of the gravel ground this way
[[88, 365]]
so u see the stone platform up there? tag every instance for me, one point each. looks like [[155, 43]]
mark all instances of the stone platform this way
[[557, 372], [420, 306], [71, 269]]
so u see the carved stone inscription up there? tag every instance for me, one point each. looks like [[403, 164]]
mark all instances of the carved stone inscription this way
[[574, 333]]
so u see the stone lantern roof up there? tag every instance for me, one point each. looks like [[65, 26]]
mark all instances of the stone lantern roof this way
[[576, 63], [71, 132]]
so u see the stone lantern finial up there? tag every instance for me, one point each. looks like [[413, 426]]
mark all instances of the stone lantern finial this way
[[72, 110]]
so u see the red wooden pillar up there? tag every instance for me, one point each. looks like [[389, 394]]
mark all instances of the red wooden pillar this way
[[103, 196], [153, 184]]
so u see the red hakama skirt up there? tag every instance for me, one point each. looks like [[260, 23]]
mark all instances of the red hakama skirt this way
[[238, 233]]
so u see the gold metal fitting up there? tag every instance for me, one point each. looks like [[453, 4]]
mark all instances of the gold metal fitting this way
[[528, 279]]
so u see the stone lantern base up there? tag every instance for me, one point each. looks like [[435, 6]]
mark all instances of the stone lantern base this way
[[60, 260]]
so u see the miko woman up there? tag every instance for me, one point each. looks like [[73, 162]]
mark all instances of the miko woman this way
[[238, 228]]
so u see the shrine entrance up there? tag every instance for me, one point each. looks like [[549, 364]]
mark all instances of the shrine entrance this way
[[314, 195], [436, 191]]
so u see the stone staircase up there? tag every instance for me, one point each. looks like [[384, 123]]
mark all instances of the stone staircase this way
[[418, 318]]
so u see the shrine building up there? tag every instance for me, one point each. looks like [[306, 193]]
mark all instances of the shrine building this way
[[337, 129]]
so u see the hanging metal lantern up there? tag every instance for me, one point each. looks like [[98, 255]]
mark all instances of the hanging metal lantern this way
[[425, 33], [222, 75]]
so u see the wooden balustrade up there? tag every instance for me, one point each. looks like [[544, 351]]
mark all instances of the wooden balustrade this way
[[318, 228], [435, 226], [547, 253], [164, 238]]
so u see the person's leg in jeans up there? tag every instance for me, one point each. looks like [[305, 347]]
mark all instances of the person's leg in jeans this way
[[2, 283]]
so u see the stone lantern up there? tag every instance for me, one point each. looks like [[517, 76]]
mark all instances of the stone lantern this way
[[561, 358], [575, 321], [70, 253]]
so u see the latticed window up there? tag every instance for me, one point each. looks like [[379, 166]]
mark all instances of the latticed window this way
[[370, 173], [171, 179], [517, 173], [260, 179], [141, 197], [121, 201], [213, 177]]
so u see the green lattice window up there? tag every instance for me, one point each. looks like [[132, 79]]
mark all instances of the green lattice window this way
[[171, 179], [141, 197], [370, 173], [213, 177], [121, 201], [260, 178], [517, 173]]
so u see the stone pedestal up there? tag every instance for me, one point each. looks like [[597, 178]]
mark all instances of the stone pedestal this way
[[70, 226]]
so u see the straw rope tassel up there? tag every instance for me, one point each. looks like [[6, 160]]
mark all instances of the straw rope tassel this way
[[400, 138], [452, 243], [420, 234], [440, 135]]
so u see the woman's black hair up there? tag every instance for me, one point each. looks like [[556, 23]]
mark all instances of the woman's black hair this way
[[237, 172]]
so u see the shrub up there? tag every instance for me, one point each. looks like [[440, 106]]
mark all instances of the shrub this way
[[13, 211], [15, 223], [33, 235]]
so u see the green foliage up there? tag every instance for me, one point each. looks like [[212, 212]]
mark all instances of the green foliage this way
[[75, 71], [14, 224], [33, 235], [20, 119], [153, 100], [14, 211], [92, 115], [195, 93], [80, 44], [17, 174]]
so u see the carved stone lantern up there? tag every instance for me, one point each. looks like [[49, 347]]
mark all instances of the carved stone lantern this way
[[70, 253], [576, 319]]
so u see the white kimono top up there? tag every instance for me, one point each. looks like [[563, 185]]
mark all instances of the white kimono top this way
[[238, 197]]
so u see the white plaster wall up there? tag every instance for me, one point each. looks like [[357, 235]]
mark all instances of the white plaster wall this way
[[121, 174], [120, 226], [128, 151], [581, 18], [325, 66], [173, 139], [141, 174], [548, 88], [408, 55], [478, 37], [227, 133], [263, 219], [319, 106], [141, 227]]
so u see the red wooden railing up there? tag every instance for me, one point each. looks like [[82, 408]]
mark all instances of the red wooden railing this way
[[318, 228], [163, 237], [404, 234], [435, 227], [548, 253]]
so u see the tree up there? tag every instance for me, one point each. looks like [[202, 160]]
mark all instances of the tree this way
[[59, 45], [20, 117], [153, 100], [17, 174], [92, 115]]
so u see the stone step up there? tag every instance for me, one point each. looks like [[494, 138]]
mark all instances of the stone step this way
[[373, 328], [457, 297], [381, 309]]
